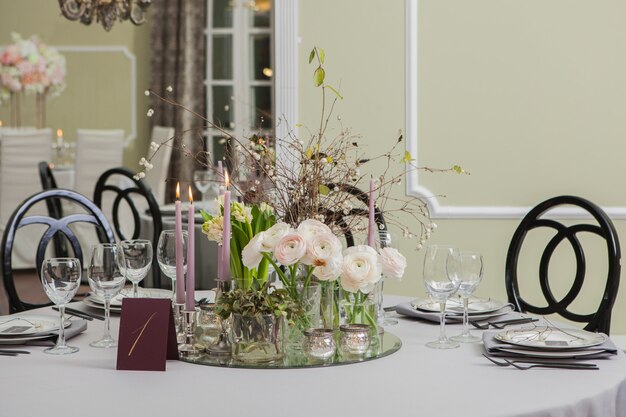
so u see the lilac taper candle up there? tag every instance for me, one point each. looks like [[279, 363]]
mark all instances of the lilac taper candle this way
[[220, 261], [180, 261], [226, 233], [371, 232], [190, 284]]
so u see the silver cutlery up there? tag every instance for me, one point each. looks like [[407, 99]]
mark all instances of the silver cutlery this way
[[81, 314], [11, 352], [525, 364], [502, 323]]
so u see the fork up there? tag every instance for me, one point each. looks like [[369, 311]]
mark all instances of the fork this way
[[531, 364], [503, 323]]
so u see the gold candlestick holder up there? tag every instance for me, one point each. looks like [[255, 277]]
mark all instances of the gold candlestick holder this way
[[189, 347]]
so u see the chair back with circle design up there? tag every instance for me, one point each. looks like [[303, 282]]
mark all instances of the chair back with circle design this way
[[129, 198], [55, 210], [90, 214], [600, 320]]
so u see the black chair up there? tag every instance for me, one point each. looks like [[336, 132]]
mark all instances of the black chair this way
[[19, 218], [136, 196], [55, 210], [599, 321], [343, 219]]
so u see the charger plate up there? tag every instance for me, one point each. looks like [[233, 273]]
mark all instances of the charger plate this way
[[551, 338], [384, 345]]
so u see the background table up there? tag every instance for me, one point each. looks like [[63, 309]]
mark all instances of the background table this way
[[415, 381]]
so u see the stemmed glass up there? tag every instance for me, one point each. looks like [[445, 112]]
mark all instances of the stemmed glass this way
[[441, 278], [106, 280], [385, 240], [205, 180], [134, 260], [471, 274], [61, 278], [166, 256]]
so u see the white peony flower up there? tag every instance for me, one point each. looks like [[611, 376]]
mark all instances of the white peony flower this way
[[311, 227], [328, 269], [393, 262], [289, 249], [361, 269], [274, 234], [252, 254], [321, 247]]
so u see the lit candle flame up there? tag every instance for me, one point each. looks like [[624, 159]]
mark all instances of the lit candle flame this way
[[226, 179], [59, 133], [0, 123], [177, 191], [190, 196]]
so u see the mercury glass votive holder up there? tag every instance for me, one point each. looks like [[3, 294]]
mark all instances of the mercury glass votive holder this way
[[319, 344], [354, 339]]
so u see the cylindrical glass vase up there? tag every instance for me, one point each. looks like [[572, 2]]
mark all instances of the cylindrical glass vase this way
[[258, 338]]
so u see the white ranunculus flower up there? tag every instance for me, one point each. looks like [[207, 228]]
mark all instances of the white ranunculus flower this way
[[328, 269], [393, 262], [274, 234], [289, 249], [361, 269], [252, 254], [310, 227], [321, 246]]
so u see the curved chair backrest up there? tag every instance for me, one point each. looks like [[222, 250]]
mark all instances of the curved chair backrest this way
[[600, 320], [55, 210], [136, 197], [341, 218], [19, 218]]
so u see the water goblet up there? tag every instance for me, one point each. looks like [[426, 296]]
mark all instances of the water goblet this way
[[205, 180], [106, 280], [61, 278], [471, 274], [441, 278], [166, 256], [134, 260]]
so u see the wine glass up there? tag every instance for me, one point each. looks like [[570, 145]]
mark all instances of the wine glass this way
[[205, 180], [441, 278], [134, 260], [471, 274], [166, 256], [61, 278], [106, 280]]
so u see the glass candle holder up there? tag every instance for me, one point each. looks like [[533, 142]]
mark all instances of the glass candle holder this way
[[319, 344], [355, 338]]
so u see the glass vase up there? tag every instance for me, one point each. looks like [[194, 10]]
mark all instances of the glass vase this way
[[358, 309], [329, 304], [258, 338], [309, 297]]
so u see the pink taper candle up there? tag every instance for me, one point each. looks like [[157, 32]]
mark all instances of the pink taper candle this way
[[371, 232], [226, 233], [220, 266], [190, 284], [180, 271]]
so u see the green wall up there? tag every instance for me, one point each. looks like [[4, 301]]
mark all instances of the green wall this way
[[97, 95]]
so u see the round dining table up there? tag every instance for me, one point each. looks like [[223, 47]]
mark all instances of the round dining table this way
[[414, 381]]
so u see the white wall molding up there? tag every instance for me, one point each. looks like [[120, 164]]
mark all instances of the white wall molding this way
[[133, 77], [413, 188]]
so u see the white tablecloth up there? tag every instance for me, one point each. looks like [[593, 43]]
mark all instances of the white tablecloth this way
[[415, 381]]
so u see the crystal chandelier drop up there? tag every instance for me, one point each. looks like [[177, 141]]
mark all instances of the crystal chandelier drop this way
[[105, 11]]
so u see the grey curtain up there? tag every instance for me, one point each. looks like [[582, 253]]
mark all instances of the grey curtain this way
[[178, 60]]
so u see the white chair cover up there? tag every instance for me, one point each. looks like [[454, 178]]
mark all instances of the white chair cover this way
[[20, 152], [96, 152], [156, 177]]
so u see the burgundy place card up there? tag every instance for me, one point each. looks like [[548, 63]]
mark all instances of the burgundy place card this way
[[147, 336]]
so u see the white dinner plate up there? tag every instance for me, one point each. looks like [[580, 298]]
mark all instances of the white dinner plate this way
[[551, 338], [27, 324], [476, 306], [128, 292], [88, 301], [553, 354]]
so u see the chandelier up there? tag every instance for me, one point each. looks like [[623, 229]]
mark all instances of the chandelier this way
[[105, 11]]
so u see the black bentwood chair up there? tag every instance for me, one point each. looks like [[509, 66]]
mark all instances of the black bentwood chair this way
[[55, 210], [91, 215], [136, 198], [599, 321]]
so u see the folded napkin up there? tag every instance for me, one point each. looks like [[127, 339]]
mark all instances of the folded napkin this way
[[406, 309], [495, 347], [76, 327]]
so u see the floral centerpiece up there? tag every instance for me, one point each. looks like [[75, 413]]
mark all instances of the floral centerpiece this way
[[30, 66]]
